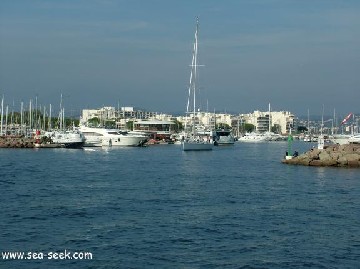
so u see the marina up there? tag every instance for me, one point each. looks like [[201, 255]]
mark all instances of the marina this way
[[198, 212], [177, 134]]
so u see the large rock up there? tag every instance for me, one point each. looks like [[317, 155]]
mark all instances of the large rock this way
[[324, 156], [334, 155], [16, 142]]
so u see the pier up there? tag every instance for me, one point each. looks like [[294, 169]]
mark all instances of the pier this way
[[332, 155], [16, 142]]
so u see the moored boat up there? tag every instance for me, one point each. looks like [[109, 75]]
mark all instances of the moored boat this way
[[253, 137], [194, 145], [94, 137], [340, 139], [67, 139], [354, 139], [223, 137], [194, 139]]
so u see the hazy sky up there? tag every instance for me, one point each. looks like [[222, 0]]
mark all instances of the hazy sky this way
[[295, 54]]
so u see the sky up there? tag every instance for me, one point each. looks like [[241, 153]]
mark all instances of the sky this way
[[297, 55]]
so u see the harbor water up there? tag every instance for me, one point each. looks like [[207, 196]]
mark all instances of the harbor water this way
[[159, 207]]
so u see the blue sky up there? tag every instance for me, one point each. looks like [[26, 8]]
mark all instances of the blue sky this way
[[295, 54]]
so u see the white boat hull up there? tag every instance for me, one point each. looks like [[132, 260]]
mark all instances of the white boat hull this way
[[223, 137], [125, 141], [340, 139], [355, 139], [196, 146], [97, 137], [252, 137], [225, 140], [68, 139]]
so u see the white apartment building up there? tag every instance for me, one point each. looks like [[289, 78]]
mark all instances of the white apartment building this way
[[264, 121], [121, 115], [206, 119], [104, 113], [110, 113]]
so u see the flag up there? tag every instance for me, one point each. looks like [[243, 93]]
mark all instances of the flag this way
[[346, 118]]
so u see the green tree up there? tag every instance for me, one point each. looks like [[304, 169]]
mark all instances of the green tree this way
[[276, 129], [130, 125], [71, 121], [248, 127], [302, 129], [178, 125], [222, 126], [110, 124], [94, 122]]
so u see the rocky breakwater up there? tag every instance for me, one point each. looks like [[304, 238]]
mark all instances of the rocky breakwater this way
[[16, 142], [332, 155]]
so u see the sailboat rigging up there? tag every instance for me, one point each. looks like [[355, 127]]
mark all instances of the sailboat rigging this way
[[193, 140]]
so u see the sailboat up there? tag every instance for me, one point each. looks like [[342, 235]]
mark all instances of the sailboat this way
[[66, 138], [193, 140]]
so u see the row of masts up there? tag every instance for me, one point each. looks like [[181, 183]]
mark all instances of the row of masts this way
[[354, 128], [29, 118]]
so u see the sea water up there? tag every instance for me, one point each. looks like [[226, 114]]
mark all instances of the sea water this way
[[159, 207]]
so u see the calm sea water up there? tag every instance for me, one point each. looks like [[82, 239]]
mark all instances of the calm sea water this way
[[159, 207]]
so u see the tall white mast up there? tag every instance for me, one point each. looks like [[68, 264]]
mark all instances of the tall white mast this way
[[322, 120], [12, 114], [333, 124], [2, 115], [6, 118], [22, 116], [308, 121], [194, 73], [269, 119], [30, 115], [36, 111], [44, 119], [195, 67]]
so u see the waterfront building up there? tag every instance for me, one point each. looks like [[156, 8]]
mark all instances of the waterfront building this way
[[103, 114], [110, 113], [280, 121], [132, 113], [123, 116], [158, 129], [202, 120]]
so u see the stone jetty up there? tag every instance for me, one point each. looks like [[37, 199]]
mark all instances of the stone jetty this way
[[16, 142], [332, 155]]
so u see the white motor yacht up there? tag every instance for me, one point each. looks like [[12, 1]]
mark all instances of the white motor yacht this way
[[354, 139], [341, 139], [94, 137], [253, 137], [223, 137], [67, 139]]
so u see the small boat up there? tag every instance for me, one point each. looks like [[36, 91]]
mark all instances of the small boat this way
[[67, 139], [196, 144], [63, 137], [354, 139], [341, 139], [253, 137], [223, 137]]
